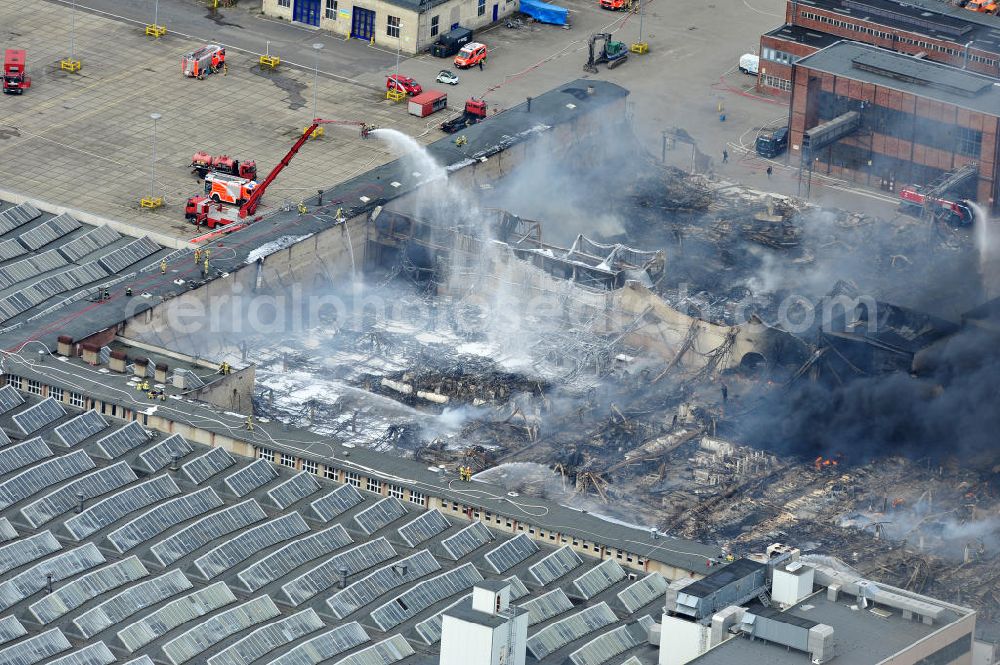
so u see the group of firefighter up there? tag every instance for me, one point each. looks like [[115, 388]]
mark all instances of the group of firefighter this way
[[151, 393]]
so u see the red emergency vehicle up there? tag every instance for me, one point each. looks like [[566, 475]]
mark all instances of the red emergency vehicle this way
[[15, 78]]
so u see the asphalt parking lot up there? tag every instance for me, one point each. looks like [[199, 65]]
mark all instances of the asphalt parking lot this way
[[84, 140]]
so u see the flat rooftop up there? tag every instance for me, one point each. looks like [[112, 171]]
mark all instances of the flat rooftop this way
[[862, 636], [800, 35], [934, 19], [888, 69]]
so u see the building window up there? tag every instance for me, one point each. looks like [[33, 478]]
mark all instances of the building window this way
[[284, 3], [331, 9], [392, 26], [970, 142], [114, 409], [418, 498], [287, 460], [394, 491], [265, 454], [454, 506], [330, 473], [78, 400], [482, 8], [352, 478], [375, 485], [774, 82], [34, 387], [310, 467], [14, 380], [435, 25], [508, 524]]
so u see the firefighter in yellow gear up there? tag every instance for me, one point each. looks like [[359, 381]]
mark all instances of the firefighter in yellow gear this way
[[163, 267], [204, 269], [249, 423], [302, 208], [197, 256]]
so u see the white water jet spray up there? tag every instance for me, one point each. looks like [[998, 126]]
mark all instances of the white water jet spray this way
[[988, 250], [423, 164]]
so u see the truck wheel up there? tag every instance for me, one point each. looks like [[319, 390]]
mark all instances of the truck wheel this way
[[215, 197]]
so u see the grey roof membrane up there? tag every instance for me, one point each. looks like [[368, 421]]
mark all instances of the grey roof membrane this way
[[919, 77]]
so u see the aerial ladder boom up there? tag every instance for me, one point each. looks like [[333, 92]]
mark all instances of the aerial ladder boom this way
[[250, 207]]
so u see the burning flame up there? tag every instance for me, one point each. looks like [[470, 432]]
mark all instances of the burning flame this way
[[821, 462]]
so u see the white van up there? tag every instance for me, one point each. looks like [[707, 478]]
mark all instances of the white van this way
[[749, 63]]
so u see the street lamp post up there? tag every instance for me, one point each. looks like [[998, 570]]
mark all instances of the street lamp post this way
[[399, 44], [640, 21], [316, 47], [156, 14], [72, 32], [71, 64], [153, 201]]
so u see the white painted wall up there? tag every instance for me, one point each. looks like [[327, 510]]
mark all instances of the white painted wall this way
[[681, 641], [789, 588], [469, 643], [465, 643]]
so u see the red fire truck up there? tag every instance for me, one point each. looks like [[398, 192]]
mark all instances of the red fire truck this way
[[15, 79], [206, 60]]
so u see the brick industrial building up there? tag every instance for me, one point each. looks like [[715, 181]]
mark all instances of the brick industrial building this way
[[918, 119], [932, 30]]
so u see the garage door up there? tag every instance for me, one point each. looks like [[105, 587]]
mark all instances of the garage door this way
[[306, 11], [363, 25]]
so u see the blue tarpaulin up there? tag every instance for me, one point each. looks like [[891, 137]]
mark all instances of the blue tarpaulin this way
[[544, 12]]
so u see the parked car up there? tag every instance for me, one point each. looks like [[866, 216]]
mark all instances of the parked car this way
[[404, 83], [447, 76], [471, 55]]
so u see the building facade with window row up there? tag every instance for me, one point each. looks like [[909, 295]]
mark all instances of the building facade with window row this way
[[411, 26], [918, 119]]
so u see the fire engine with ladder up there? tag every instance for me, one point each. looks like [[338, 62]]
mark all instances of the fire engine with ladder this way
[[933, 202], [204, 210]]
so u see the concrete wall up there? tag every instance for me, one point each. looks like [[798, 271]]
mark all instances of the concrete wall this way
[[416, 27], [232, 392]]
